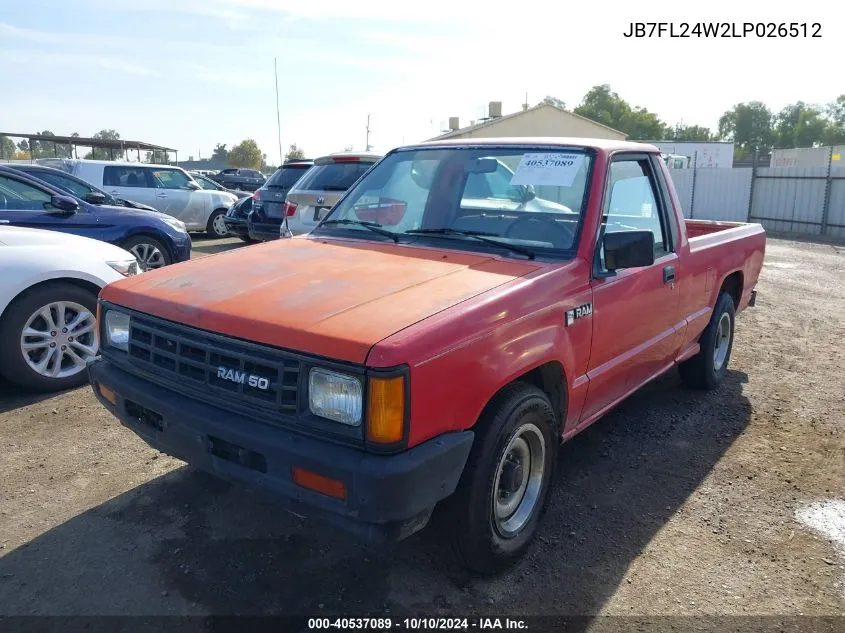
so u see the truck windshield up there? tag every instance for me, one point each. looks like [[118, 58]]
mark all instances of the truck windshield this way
[[528, 198]]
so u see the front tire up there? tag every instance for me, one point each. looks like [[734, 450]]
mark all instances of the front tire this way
[[495, 512], [216, 227], [149, 252], [706, 369], [47, 335]]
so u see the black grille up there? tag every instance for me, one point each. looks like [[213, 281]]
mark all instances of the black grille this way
[[215, 365]]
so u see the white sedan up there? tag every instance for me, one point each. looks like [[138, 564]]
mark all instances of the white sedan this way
[[48, 304]]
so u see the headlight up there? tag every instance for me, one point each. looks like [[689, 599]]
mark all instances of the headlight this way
[[176, 224], [117, 329], [127, 267], [335, 396]]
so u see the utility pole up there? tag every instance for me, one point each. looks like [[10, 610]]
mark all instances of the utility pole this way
[[278, 118], [367, 145]]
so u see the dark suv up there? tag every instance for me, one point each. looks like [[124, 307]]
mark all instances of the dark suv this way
[[240, 179], [268, 203]]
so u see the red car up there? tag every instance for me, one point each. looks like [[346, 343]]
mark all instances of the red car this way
[[426, 349]]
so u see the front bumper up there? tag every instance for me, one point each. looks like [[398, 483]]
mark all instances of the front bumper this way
[[236, 226], [263, 228], [387, 497], [182, 249]]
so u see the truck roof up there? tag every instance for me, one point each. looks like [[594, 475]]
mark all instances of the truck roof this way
[[607, 145]]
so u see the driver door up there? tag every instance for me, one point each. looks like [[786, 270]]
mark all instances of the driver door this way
[[636, 310], [23, 204], [176, 198]]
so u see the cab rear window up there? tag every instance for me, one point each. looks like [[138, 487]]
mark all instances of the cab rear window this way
[[333, 176]]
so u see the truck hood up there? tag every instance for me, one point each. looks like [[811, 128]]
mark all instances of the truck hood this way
[[330, 298]]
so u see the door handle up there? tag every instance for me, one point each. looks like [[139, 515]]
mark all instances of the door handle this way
[[161, 195], [669, 275]]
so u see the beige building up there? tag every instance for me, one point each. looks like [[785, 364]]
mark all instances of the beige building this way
[[541, 120]]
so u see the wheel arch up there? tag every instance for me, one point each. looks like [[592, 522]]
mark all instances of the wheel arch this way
[[148, 233], [85, 284], [550, 378], [733, 285]]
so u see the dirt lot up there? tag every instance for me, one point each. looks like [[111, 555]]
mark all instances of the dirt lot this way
[[677, 503]]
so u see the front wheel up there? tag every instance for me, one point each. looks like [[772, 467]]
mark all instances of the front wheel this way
[[706, 369], [494, 514], [216, 227], [47, 335], [149, 252]]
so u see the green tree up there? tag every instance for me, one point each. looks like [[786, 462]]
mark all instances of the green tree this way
[[554, 101], [100, 153], [7, 147], [220, 154], [245, 154], [834, 133], [799, 125], [157, 157], [294, 153], [690, 133], [602, 105], [748, 125]]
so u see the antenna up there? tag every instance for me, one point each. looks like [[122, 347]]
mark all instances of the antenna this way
[[278, 119], [367, 145], [525, 105]]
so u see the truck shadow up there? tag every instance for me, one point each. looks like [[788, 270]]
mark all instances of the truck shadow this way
[[188, 543]]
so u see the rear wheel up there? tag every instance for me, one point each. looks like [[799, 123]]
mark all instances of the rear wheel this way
[[706, 369], [47, 335], [216, 227], [494, 514], [149, 252]]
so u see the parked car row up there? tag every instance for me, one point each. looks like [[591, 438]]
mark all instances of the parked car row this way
[[297, 196], [166, 188], [34, 196]]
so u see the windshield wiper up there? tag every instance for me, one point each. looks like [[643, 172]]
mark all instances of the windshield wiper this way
[[375, 227], [478, 235], [334, 188]]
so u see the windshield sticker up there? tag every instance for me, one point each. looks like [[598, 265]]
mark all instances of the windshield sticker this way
[[556, 170]]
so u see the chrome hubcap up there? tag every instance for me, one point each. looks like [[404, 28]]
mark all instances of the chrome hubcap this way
[[58, 338], [149, 257], [219, 225], [723, 341], [519, 478]]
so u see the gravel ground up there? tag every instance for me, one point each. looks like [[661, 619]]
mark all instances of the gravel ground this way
[[677, 503]]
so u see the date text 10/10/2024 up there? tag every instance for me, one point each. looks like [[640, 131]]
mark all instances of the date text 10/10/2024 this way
[[724, 29], [418, 624]]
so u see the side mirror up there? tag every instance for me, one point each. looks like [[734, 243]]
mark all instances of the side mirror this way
[[95, 197], [192, 185], [65, 203], [521, 193], [628, 249]]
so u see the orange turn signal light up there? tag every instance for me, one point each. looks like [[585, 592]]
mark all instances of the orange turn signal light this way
[[318, 483], [386, 410], [107, 393]]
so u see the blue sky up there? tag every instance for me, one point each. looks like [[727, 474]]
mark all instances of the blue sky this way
[[192, 73]]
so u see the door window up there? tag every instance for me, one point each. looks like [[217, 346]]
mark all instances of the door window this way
[[631, 203], [170, 179], [70, 185], [20, 196], [125, 176]]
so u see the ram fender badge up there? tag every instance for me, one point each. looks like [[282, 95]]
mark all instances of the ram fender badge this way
[[576, 313]]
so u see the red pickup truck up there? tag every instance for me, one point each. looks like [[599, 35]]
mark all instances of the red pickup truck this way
[[465, 308]]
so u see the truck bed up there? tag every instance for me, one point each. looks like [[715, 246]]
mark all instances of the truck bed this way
[[697, 228]]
